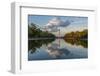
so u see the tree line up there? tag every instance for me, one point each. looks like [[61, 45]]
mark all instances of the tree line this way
[[34, 32], [77, 35]]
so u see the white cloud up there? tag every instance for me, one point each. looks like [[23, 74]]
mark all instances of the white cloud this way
[[56, 22]]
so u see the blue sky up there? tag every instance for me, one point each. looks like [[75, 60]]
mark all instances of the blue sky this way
[[42, 19], [76, 23]]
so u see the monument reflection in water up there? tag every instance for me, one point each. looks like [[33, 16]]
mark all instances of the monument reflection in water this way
[[57, 49]]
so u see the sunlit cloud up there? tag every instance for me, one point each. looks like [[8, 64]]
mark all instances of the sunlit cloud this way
[[56, 22]]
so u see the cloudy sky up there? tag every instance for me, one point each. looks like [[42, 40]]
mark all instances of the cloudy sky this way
[[64, 23]]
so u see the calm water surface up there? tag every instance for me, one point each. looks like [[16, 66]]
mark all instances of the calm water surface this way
[[50, 49]]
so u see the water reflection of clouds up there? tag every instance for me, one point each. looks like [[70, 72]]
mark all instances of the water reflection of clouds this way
[[58, 49], [56, 52]]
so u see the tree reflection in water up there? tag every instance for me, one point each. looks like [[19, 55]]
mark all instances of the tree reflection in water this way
[[53, 49], [34, 44], [83, 43]]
